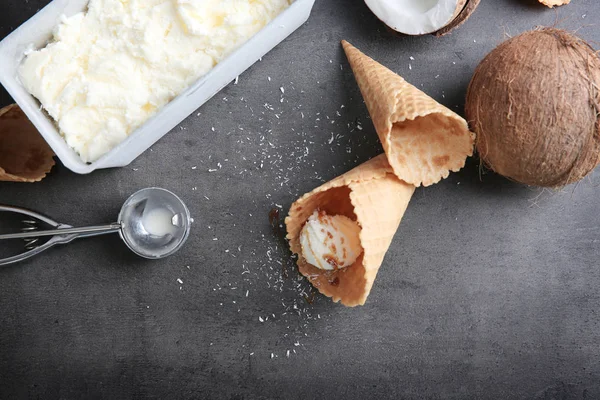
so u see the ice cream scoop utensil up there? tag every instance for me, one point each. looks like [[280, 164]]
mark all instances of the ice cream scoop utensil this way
[[154, 223]]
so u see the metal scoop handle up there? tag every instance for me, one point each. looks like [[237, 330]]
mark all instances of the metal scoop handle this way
[[62, 233], [78, 232], [131, 227]]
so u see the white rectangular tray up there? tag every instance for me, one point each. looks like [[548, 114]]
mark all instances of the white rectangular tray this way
[[38, 31]]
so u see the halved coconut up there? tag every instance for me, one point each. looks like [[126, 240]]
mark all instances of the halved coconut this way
[[419, 17], [24, 155]]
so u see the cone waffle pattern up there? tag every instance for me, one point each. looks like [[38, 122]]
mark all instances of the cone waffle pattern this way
[[373, 196], [423, 140]]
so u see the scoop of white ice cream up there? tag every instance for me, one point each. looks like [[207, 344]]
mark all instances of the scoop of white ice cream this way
[[330, 241]]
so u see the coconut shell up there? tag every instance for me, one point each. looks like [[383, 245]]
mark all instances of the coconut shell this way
[[552, 3], [461, 17], [24, 155], [534, 103], [464, 9]]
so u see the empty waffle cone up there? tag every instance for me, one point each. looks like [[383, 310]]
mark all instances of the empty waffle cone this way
[[24, 155], [423, 140], [371, 195]]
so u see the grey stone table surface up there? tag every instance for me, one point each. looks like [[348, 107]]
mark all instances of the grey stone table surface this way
[[489, 290]]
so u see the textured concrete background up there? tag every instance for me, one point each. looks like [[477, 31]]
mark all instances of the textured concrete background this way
[[489, 290]]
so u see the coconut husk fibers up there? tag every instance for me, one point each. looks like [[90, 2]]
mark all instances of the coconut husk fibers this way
[[374, 194], [24, 155], [552, 3], [534, 103]]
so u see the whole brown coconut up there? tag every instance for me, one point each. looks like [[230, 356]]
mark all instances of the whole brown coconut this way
[[534, 103]]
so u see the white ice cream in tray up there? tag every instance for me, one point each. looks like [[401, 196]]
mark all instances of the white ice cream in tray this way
[[113, 76], [111, 68]]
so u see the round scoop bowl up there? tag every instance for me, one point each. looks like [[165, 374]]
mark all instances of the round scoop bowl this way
[[155, 223]]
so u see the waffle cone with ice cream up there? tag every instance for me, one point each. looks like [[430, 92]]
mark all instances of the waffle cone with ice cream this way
[[372, 196], [423, 142], [24, 155]]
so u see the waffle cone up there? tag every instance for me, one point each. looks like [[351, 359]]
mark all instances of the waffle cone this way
[[24, 155], [374, 197], [553, 3], [423, 140]]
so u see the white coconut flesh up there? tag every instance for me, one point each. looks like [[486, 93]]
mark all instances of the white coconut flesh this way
[[414, 17]]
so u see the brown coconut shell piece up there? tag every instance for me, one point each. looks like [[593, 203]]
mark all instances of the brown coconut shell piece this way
[[24, 155], [553, 3], [465, 12], [534, 103]]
